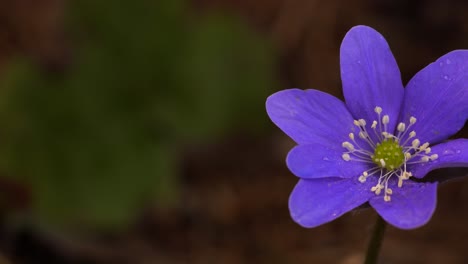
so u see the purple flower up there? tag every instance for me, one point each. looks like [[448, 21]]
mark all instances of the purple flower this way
[[376, 146]]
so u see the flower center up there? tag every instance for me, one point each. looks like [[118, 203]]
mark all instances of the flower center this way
[[391, 153]]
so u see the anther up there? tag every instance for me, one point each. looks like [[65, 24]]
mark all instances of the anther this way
[[378, 110], [374, 124], [351, 136], [412, 120], [385, 119], [348, 146], [407, 155], [401, 127], [362, 122], [387, 198], [434, 156], [356, 123], [346, 157], [412, 134], [415, 143], [425, 159], [424, 146]]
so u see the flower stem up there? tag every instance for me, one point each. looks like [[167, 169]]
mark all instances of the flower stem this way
[[376, 241]]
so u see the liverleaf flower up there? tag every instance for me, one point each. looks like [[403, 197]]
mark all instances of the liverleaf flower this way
[[376, 146]]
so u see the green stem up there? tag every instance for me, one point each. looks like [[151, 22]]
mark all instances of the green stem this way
[[375, 243]]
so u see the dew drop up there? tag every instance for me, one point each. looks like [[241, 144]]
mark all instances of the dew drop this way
[[446, 77], [326, 158], [448, 152], [448, 61]]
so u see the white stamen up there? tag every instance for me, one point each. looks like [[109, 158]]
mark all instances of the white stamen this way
[[415, 143], [385, 159], [362, 122], [385, 119], [401, 127], [363, 135], [348, 146], [346, 157], [424, 146]]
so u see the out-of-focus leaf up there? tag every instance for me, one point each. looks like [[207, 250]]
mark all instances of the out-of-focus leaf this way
[[99, 140]]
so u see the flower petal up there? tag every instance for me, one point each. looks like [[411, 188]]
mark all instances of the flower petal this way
[[438, 97], [310, 116], [320, 160], [370, 75], [317, 201], [453, 153], [410, 207]]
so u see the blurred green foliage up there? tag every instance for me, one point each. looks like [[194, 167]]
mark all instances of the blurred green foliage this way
[[98, 140]]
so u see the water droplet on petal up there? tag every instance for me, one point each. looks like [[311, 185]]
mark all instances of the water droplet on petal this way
[[448, 152], [448, 61], [326, 158], [446, 77]]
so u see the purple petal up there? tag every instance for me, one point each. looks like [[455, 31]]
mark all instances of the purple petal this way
[[317, 201], [310, 116], [411, 206], [370, 75], [453, 153], [320, 160], [438, 97]]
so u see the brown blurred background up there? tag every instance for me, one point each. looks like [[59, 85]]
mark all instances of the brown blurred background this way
[[230, 202]]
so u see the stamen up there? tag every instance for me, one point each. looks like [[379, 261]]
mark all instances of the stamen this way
[[389, 155], [346, 157], [401, 127], [415, 143], [385, 119], [348, 146]]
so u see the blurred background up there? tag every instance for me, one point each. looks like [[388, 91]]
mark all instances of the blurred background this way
[[135, 131]]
